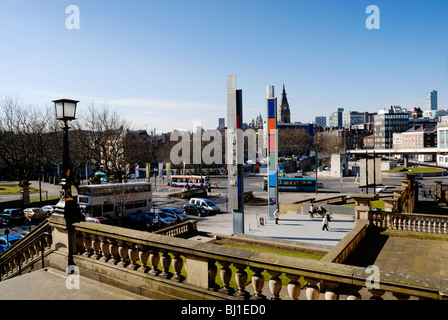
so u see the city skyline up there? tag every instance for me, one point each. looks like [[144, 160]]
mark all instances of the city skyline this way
[[164, 65]]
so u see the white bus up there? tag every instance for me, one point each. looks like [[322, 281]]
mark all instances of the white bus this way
[[109, 200], [192, 181]]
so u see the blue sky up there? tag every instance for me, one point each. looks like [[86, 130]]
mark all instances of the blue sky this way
[[163, 64]]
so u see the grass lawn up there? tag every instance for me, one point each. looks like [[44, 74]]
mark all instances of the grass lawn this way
[[375, 204], [15, 189], [413, 170]]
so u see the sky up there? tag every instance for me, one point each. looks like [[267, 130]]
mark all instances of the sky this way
[[163, 64]]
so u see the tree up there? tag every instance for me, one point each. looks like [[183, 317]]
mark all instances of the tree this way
[[102, 135], [293, 140], [21, 130]]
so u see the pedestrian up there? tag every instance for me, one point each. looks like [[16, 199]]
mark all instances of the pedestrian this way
[[276, 216], [325, 222], [321, 211], [312, 210]]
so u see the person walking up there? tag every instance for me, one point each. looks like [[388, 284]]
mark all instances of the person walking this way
[[276, 216], [312, 210], [325, 222]]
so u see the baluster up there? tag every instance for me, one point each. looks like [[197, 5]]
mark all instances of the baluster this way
[[401, 296], [241, 280], [376, 294], [177, 264], [212, 272], [275, 284], [445, 226], [26, 255], [143, 255], [399, 223], [226, 274], [154, 258], [258, 283], [331, 290], [165, 261], [419, 225], [294, 288], [114, 252], [353, 292], [105, 248], [133, 256], [88, 245], [32, 251], [312, 289], [97, 248], [424, 225], [123, 250], [80, 243]]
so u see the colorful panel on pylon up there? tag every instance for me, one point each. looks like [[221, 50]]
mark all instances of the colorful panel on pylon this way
[[272, 141]]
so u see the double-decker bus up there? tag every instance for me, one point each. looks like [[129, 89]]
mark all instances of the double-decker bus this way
[[192, 181], [111, 200], [294, 184]]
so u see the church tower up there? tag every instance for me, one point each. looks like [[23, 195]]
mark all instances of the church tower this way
[[284, 113]]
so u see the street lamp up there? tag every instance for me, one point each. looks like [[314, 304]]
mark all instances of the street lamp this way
[[65, 110]]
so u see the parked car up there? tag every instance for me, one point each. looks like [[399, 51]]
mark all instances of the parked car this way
[[320, 185], [178, 214], [140, 221], [49, 210], [164, 219], [100, 220], [385, 189], [420, 184], [191, 208], [35, 214], [207, 204], [8, 241], [12, 216]]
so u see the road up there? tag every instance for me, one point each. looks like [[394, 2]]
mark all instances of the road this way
[[332, 186]]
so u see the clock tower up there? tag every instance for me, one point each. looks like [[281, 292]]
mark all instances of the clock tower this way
[[284, 113]]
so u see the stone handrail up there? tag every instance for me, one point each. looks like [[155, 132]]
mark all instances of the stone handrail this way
[[157, 256], [27, 252], [186, 228], [415, 222]]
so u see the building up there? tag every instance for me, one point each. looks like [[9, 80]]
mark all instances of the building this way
[[221, 123], [335, 119], [320, 121], [386, 123], [419, 137], [284, 112], [431, 100], [352, 118]]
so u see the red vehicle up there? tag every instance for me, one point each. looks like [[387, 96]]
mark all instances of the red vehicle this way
[[101, 220]]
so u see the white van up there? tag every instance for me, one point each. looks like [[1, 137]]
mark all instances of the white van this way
[[206, 203]]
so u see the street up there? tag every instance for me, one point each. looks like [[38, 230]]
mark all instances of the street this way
[[223, 223]]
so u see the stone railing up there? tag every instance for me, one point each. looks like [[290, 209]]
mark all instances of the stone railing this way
[[190, 269], [27, 254], [415, 222], [184, 229]]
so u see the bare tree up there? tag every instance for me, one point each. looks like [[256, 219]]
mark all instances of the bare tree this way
[[102, 137], [293, 140], [21, 130]]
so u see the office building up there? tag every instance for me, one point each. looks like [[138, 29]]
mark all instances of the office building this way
[[431, 100]]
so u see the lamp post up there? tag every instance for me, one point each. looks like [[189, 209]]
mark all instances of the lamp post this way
[[66, 111]]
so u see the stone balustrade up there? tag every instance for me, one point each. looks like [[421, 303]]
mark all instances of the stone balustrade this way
[[28, 253], [422, 223], [194, 266]]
